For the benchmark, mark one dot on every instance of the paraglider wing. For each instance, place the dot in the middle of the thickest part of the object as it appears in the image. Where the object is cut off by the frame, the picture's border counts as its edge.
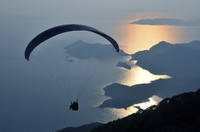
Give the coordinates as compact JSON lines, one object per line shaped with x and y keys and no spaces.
{"x":61,"y":29}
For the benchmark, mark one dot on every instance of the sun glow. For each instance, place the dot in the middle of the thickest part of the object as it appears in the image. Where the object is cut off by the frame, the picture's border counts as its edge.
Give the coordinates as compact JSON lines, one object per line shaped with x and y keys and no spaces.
{"x":135,"y":38}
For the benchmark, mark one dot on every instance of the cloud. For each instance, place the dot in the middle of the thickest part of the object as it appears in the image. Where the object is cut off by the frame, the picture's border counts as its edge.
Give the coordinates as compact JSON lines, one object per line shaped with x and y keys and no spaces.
{"x":180,"y":61}
{"x":83,"y":50}
{"x":167,"y":21}
{"x":124,"y":65}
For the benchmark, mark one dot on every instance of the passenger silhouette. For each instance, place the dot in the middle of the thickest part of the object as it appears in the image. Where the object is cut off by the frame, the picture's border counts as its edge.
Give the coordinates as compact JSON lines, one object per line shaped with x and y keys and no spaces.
{"x":74,"y":105}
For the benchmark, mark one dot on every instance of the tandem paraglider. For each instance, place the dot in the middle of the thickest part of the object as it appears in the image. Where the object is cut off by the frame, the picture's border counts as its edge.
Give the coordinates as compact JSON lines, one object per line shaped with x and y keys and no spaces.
{"x":74,"y":105}
{"x":49,"y":33}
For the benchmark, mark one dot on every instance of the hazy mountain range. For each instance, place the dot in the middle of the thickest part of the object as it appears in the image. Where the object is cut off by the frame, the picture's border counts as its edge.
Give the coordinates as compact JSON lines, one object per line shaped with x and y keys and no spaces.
{"x":167,"y":21}
{"x":179,"y":61}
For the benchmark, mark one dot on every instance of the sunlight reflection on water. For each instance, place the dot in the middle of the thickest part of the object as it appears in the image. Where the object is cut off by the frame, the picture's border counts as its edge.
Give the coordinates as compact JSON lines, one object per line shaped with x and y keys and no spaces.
{"x":134,"y":38}
{"x":138,"y":75}
{"x":135,"y":76}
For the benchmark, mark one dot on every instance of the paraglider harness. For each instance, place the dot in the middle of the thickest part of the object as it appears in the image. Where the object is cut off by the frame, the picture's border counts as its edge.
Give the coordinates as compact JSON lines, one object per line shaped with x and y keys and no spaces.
{"x":74,"y":105}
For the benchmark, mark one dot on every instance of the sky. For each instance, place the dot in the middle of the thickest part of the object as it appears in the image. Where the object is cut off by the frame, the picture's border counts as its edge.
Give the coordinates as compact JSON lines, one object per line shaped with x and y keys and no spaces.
{"x":94,"y":10}
{"x":34,"y":93}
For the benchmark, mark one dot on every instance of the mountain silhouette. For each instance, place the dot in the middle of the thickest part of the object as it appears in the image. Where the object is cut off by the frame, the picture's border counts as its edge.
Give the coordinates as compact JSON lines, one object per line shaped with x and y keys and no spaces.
{"x":83,"y":50}
{"x":83,"y":128}
{"x":177,"y":114}
{"x":124,"y":65}
{"x":179,"y":61}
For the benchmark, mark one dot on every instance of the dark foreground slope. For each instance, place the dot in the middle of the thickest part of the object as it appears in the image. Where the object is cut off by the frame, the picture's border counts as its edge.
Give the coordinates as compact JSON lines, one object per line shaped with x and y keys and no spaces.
{"x":84,"y":128}
{"x":177,"y":114}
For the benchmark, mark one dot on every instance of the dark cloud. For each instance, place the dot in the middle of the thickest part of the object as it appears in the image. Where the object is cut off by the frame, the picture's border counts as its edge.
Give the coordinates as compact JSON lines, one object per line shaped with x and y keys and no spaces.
{"x":83,"y":50}
{"x":180,"y":61}
{"x":167,"y":21}
{"x":124,"y":65}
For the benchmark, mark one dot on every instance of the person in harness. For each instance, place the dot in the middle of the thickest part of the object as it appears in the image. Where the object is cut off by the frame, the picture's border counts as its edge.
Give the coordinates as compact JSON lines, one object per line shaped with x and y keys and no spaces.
{"x":74,"y":105}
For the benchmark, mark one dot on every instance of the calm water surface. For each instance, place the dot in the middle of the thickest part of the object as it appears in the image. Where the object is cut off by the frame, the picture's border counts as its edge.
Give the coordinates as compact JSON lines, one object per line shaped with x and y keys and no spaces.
{"x":86,"y":78}
{"x":133,"y":38}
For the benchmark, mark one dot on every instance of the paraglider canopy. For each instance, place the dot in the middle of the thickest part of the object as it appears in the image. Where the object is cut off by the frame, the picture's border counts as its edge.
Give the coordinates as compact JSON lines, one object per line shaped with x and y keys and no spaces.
{"x":49,"y":33}
{"x":61,"y":29}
